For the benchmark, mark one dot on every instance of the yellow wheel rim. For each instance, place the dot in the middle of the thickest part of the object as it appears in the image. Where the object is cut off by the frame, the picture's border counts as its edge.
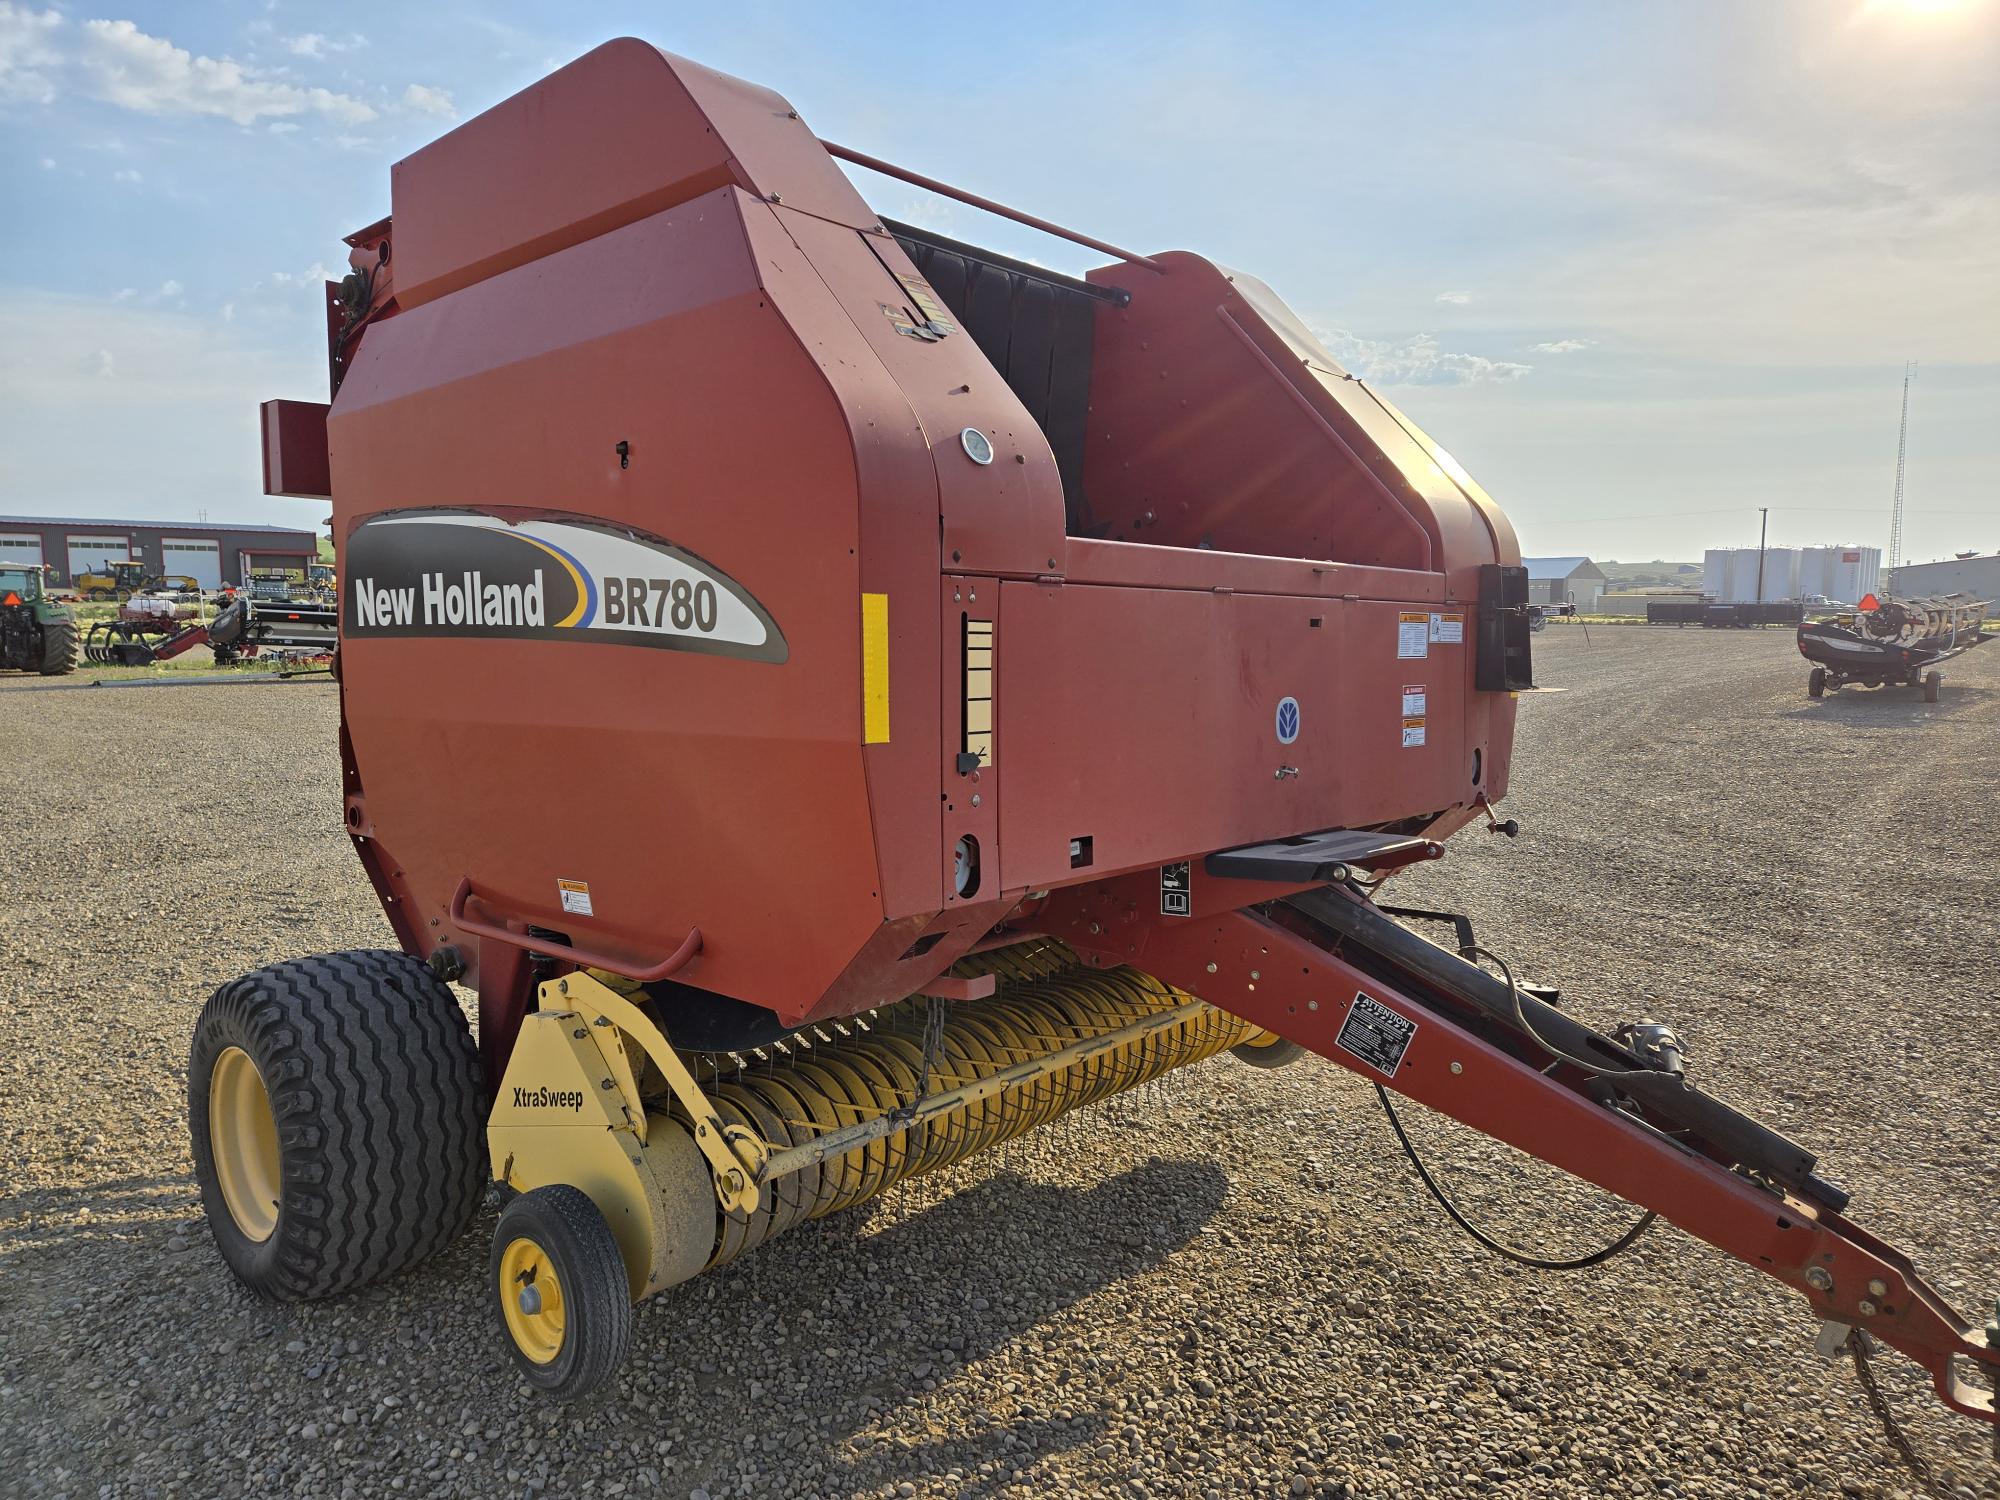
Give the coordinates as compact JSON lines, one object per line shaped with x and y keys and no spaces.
{"x":531,"y":1300}
{"x":243,"y":1139}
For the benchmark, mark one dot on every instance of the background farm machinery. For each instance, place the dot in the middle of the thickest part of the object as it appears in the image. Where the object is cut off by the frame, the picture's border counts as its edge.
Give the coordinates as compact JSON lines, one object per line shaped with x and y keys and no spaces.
{"x":145,"y":632}
{"x":121,"y":579}
{"x":37,"y":632}
{"x":1892,"y":642}
{"x":1715,"y":614}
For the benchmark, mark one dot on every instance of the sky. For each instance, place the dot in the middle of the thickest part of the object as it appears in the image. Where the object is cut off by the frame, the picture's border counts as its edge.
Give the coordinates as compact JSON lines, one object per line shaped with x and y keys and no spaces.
{"x":1643,"y":268}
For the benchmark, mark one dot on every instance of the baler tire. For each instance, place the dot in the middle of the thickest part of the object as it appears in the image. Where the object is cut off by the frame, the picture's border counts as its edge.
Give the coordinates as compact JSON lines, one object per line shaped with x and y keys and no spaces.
{"x":1278,"y":1054}
{"x":58,"y":648}
{"x":1816,"y":683}
{"x":377,"y":1102}
{"x":592,"y":1330}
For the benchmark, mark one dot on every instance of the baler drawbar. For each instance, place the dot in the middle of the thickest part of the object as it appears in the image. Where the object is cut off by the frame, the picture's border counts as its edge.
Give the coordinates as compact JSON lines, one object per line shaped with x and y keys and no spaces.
{"x":843,"y":699}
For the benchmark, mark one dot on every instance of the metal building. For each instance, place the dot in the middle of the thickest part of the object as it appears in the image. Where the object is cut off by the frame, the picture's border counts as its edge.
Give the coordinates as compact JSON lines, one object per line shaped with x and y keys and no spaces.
{"x":1978,"y":576}
{"x":211,"y":552}
{"x":1565,"y":580}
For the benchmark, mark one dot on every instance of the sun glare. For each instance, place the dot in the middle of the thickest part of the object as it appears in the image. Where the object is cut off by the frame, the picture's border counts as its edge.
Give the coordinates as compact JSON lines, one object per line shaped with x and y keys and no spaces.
{"x":1916,"y":10}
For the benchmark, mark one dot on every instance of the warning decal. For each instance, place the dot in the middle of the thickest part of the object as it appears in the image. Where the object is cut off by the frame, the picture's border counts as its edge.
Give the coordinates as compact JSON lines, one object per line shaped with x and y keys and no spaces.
{"x":1174,"y":890}
{"x":1376,"y":1034}
{"x":1448,"y":629}
{"x":1413,"y":733}
{"x":1413,"y":700}
{"x":575,"y":896}
{"x":1413,"y":637}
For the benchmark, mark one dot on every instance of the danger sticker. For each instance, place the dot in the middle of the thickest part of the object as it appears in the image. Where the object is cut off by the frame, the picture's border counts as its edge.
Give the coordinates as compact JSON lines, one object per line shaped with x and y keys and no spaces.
{"x":575,"y":896}
{"x":1376,"y":1034}
{"x":1413,"y":733}
{"x":1448,"y":629}
{"x":1413,"y":637}
{"x":1413,"y":700}
{"x":1175,"y":890}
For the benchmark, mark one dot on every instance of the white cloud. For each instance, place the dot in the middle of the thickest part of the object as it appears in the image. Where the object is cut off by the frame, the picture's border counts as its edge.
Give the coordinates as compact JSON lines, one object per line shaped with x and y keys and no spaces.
{"x":1453,"y":299}
{"x":426,"y":100}
{"x":124,"y":294}
{"x":1561,"y":346}
{"x":1416,"y":361}
{"x":313,"y":44}
{"x":48,"y":164}
{"x":282,"y":127}
{"x":126,"y":174}
{"x":125,"y":66}
{"x":229,"y":312}
{"x":26,"y":50}
{"x":312,"y":275}
{"x":178,"y":392}
{"x":927,"y":211}
{"x":170,"y":289}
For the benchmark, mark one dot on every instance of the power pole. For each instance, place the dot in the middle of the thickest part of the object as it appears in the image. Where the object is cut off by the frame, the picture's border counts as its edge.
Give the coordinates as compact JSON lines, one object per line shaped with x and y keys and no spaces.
{"x":1902,"y":448}
{"x":1763,"y":530}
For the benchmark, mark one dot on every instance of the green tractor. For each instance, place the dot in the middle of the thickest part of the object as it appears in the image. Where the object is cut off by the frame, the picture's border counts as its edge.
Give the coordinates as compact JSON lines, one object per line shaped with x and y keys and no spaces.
{"x":36,"y":633}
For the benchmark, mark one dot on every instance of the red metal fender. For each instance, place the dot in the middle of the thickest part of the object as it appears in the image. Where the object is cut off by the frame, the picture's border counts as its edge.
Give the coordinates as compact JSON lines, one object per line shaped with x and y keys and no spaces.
{"x":1247,"y":964}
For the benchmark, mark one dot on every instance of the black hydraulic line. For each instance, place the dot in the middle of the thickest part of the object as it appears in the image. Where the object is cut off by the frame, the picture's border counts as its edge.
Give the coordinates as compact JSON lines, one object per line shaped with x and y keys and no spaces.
{"x":1665,"y":1096}
{"x":1624,"y":1241}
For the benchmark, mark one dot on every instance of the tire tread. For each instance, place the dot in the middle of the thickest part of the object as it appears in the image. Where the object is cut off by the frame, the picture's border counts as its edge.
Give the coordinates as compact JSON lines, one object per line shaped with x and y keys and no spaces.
{"x":379,"y":1100}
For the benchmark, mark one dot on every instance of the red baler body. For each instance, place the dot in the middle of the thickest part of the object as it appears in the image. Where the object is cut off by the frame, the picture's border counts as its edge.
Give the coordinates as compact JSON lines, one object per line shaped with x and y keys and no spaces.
{"x":642,"y":295}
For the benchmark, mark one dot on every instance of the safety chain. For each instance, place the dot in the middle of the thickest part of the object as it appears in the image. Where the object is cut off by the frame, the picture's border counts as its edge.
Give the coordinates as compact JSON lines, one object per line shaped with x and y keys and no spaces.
{"x":1898,"y":1439}
{"x":933,"y":1044}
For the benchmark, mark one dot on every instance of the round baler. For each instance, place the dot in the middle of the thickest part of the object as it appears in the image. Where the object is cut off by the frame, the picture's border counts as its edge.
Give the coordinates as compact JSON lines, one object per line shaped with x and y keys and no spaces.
{"x":842,"y":699}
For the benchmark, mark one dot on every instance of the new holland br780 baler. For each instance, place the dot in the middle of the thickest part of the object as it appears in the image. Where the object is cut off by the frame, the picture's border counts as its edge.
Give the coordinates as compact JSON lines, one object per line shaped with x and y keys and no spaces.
{"x":970,"y":691}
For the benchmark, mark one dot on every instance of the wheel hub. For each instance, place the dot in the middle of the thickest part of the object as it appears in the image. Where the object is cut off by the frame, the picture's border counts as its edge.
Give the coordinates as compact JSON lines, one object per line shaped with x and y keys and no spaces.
{"x":243,"y":1137}
{"x":531,"y":1300}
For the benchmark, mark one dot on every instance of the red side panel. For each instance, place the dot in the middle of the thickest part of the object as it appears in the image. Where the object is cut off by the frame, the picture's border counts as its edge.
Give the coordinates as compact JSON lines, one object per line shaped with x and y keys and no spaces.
{"x":684,"y":789}
{"x":295,"y":459}
{"x":619,"y":134}
{"x":1155,"y":722}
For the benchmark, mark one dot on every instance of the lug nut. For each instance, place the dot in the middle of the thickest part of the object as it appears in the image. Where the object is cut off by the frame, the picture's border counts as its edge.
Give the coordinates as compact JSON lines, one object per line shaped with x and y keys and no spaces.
{"x":1819,"y":1278}
{"x":1878,"y":1288}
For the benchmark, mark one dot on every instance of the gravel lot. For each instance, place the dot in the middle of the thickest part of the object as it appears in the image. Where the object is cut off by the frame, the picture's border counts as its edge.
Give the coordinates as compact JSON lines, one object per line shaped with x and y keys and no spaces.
{"x":1232,"y":1285}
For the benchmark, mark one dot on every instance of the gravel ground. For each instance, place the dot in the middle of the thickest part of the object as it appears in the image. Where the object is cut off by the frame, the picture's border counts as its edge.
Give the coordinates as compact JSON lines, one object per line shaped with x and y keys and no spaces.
{"x":1230,"y":1285}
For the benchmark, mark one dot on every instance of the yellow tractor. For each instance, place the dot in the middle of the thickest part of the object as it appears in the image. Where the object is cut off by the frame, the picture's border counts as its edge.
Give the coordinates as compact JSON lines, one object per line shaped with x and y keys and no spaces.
{"x":121,"y":580}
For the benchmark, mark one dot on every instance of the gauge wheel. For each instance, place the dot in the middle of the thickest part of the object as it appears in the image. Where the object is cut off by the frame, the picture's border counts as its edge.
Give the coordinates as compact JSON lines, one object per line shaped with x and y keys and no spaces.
{"x":561,"y":1293}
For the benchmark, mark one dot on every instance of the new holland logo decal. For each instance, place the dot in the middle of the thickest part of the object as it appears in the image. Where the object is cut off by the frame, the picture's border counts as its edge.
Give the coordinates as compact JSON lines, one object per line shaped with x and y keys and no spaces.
{"x":465,"y":573}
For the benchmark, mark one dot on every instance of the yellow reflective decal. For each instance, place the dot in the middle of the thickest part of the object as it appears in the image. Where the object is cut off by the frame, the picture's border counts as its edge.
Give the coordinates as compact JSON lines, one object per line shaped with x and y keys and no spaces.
{"x":874,"y":669}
